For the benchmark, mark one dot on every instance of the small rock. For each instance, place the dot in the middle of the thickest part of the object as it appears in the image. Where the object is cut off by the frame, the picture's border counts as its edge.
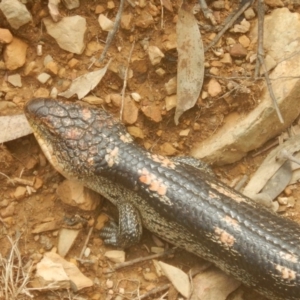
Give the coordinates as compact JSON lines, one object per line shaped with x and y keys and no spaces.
{"x":171,"y":86}
{"x":46,"y":226}
{"x":52,"y":66}
{"x":73,"y":62}
{"x":241,"y":28}
{"x":291,"y":202}
{"x":66,"y":239}
{"x":184,"y":132}
{"x":15,"y":12}
{"x":109,"y":284}
{"x":75,"y":194}
{"x":274,"y":3}
{"x":99,"y":9}
{"x":87,"y":252}
{"x":38,"y":183}
{"x":15,"y":80}
{"x":244,"y":41}
{"x":214,"y":88}
{"x":20,"y":192}
{"x":130,"y":111}
{"x":54,"y":92}
{"x":167,"y":149}
{"x":171,"y":102}
{"x":15,"y":54}
{"x":116,"y":256}
{"x":157,"y":250}
{"x":150,"y":276}
{"x":230,"y":41}
{"x":238,"y":51}
{"x":101,"y":221}
{"x":30,"y":68}
{"x":105,"y":23}
{"x":218,"y":5}
{"x":8,"y":211}
{"x":71,"y":4}
{"x":43,"y":77}
{"x":160,"y":72}
{"x":214,"y":71}
{"x":92,"y":47}
{"x":127,"y":21}
{"x":5,"y":36}
{"x":249,"y":14}
{"x":94,"y":100}
{"x":152,"y":111}
{"x":136,"y":97}
{"x":144,"y":20}
{"x":282,"y":200}
{"x":41,"y":93}
{"x":110,"y":5}
{"x":170,"y":41}
{"x":135,"y":131}
{"x":155,"y":55}
{"x":69,"y":33}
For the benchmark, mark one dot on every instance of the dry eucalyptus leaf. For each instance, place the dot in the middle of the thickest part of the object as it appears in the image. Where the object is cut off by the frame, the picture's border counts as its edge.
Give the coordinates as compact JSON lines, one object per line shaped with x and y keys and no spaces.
{"x":190,"y":71}
{"x":13,"y":127}
{"x":179,"y":279}
{"x":270,"y":166}
{"x":213,"y":284}
{"x":82,"y":85}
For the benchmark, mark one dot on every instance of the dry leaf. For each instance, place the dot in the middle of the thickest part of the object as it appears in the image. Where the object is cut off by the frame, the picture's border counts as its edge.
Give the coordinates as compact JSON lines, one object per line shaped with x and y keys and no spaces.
{"x":179,"y":279}
{"x":84,"y":84}
{"x":190,"y":71}
{"x":13,"y":127}
{"x":213,"y":284}
{"x":270,"y":166}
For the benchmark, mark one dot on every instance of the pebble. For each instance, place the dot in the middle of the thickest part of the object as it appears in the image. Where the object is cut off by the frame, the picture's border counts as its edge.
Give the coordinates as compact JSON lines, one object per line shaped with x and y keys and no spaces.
{"x":136,"y":132}
{"x":150,"y":276}
{"x":152,"y":111}
{"x":214,"y":71}
{"x":243,"y":27}
{"x":144,"y":20}
{"x":52,"y":66}
{"x":43,"y":77}
{"x":155,"y":55}
{"x":14,"y":54}
{"x":127,"y":21}
{"x":71,"y":4}
{"x":130,"y":111}
{"x":167,"y":149}
{"x":30,"y":68}
{"x":73,"y":62}
{"x":274,"y":3}
{"x":109,"y":284}
{"x":249,"y":14}
{"x":184,"y":132}
{"x":8,"y":211}
{"x":69,"y":33}
{"x":238,"y":51}
{"x":15,"y":12}
{"x":20,"y":192}
{"x":15,"y":80}
{"x":136,"y":97}
{"x":171,"y":102}
{"x":171,"y":86}
{"x":38,"y":183}
{"x":244,"y":41}
{"x":218,"y":5}
{"x":160,"y":72}
{"x":54,"y":93}
{"x":214,"y":88}
{"x":226,"y":59}
{"x":87,"y":252}
{"x":110,"y":5}
{"x":99,"y":9}
{"x":41,"y":93}
{"x":105,"y":23}
{"x":5,"y":36}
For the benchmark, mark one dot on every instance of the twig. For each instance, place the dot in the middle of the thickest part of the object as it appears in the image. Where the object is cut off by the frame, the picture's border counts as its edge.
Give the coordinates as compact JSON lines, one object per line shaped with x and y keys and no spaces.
{"x":140,"y":259}
{"x":125,"y":81}
{"x":86,"y":242}
{"x":241,"y":183}
{"x":207,"y":12}
{"x":154,"y":291}
{"x":227,"y":25}
{"x":112,"y":32}
{"x":284,"y":154}
{"x":260,"y":57}
{"x":162,"y":26}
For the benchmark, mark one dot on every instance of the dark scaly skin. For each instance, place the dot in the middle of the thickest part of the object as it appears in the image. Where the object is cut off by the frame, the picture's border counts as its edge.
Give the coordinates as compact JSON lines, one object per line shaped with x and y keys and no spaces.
{"x":180,"y":203}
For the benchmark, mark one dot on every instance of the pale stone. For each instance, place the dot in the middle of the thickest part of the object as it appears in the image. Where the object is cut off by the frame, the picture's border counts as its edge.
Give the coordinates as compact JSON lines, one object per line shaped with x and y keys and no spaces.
{"x":5,"y":36}
{"x":155,"y":55}
{"x":15,"y":80}
{"x":136,"y":97}
{"x":43,"y":77}
{"x":71,"y":4}
{"x":126,"y":21}
{"x":116,"y":256}
{"x":214,"y":88}
{"x":69,"y":33}
{"x":270,"y":64}
{"x":249,"y":14}
{"x":243,"y":133}
{"x":135,"y":131}
{"x":171,"y":86}
{"x":171,"y":102}
{"x":105,"y":23}
{"x":244,"y":41}
{"x":15,"y":12}
{"x":226,"y":59}
{"x":15,"y":54}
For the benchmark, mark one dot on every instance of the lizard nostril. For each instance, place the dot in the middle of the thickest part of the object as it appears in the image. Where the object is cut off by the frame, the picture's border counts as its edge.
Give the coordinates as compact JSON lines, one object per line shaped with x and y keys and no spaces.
{"x":36,"y":108}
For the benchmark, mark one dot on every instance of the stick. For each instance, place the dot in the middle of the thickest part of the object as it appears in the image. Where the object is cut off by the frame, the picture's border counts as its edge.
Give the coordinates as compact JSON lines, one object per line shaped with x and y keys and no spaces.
{"x":228,"y":24}
{"x":140,"y":259}
{"x":154,"y":291}
{"x":113,"y":32}
{"x":207,"y":12}
{"x":125,"y":81}
{"x":86,"y":242}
